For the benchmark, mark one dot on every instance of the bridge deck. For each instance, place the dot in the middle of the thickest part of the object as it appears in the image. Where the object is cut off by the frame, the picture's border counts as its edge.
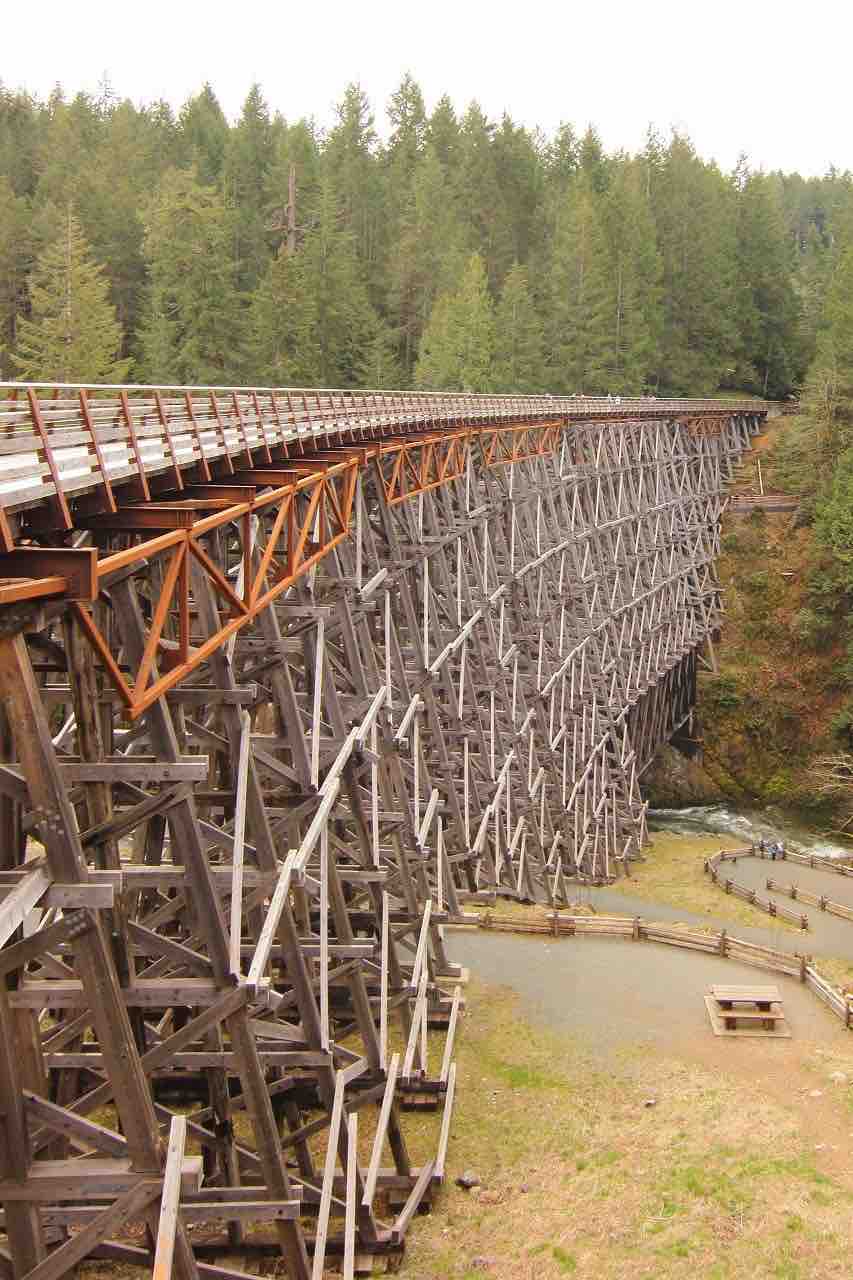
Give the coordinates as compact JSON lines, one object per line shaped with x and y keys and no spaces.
{"x":71,"y":439}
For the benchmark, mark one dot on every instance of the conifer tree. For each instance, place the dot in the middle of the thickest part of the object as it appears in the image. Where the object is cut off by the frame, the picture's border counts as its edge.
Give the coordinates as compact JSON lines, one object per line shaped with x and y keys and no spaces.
{"x":346,"y":320}
{"x":72,"y":334}
{"x":769,"y":346}
{"x":625,"y":349}
{"x":407,"y":117}
{"x":428,"y":256}
{"x":248,"y":159}
{"x":15,"y":244}
{"x":442,"y":133}
{"x":191,"y":329}
{"x":811,"y":280}
{"x":380,"y":366}
{"x":828,"y":393}
{"x":350,"y":164}
{"x":519,"y":363}
{"x":479,"y":194}
{"x":695,"y":216}
{"x":458,"y":344}
{"x":283,"y":347}
{"x":580,"y":308}
{"x":205,"y":133}
{"x":120,"y":176}
{"x":294,"y":145}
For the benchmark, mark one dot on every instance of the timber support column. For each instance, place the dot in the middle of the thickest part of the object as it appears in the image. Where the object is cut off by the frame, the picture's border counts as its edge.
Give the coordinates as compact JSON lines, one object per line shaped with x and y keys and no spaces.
{"x":93,"y":957}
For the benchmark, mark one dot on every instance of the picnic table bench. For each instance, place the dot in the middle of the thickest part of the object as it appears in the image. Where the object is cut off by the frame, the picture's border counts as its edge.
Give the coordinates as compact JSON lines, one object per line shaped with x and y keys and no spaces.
{"x":745,"y":1009}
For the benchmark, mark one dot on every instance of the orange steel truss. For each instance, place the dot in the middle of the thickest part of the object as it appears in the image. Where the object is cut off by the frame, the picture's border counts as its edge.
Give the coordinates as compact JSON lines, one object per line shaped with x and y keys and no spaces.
{"x":303,"y":522}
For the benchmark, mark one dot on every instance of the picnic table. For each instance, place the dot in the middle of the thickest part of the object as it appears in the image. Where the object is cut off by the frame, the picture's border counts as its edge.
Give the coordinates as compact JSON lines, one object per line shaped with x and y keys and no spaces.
{"x":745,"y":1009}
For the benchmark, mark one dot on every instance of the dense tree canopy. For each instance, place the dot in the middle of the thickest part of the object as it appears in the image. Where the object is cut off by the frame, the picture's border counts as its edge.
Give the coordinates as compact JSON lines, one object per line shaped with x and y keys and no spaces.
{"x":438,"y":246}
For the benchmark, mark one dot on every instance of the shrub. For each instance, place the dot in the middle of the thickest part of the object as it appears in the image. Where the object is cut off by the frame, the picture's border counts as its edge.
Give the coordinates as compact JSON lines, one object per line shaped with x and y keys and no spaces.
{"x":811,"y":626}
{"x":723,"y":693}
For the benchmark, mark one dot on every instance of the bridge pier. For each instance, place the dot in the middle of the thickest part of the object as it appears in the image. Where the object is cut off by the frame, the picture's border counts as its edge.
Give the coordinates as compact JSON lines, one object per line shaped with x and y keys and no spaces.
{"x":355,"y":661}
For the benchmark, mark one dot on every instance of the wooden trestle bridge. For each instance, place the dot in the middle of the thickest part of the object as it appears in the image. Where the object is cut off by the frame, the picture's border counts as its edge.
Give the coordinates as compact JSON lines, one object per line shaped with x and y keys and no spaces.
{"x":285,"y":678}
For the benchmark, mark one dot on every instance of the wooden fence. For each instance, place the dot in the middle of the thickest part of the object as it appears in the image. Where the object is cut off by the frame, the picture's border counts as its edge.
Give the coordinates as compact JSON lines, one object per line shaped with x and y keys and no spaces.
{"x":790,"y":964}
{"x":750,"y":895}
{"x":808,"y":860}
{"x":812,"y":899}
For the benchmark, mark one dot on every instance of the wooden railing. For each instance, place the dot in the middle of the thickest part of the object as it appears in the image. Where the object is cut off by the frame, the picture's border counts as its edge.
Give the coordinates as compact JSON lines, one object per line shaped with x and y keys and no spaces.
{"x":57,"y":441}
{"x":811,"y":899}
{"x":791,"y":964}
{"x":748,"y":894}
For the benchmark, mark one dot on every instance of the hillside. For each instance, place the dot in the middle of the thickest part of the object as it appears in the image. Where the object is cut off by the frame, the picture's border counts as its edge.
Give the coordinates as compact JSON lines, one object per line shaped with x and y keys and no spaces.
{"x":781,"y":692}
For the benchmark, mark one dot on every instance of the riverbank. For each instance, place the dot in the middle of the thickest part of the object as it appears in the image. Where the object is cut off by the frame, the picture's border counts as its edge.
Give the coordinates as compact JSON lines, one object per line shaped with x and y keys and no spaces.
{"x":782,"y":685}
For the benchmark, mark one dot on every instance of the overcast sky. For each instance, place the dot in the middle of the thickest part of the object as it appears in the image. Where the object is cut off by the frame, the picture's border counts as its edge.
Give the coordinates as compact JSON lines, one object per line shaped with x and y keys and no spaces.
{"x":772,"y":79}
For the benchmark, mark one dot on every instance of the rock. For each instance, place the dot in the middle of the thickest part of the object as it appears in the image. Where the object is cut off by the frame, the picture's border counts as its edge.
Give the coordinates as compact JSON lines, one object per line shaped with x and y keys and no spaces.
{"x":468,"y":1179}
{"x":524,"y":1188}
{"x":816,"y":1093}
{"x":838,"y":1077}
{"x":482,"y":1263}
{"x":650,"y":1102}
{"x":491,"y":1197}
{"x":675,"y":782}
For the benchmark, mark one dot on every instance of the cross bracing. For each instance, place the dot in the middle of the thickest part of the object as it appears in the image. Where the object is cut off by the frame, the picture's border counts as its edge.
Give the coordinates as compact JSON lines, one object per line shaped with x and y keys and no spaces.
{"x":287,"y":677}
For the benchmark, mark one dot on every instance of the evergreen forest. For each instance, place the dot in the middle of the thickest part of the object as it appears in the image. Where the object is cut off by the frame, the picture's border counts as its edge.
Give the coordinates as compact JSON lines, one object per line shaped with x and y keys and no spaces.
{"x":438,"y":250}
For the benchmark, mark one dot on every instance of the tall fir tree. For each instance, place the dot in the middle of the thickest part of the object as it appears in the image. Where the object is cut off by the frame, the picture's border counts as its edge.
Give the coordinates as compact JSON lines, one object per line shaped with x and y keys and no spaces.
{"x":828,"y":393}
{"x":458,"y":345}
{"x":283,"y":347}
{"x":479,"y":194}
{"x":580,"y":302}
{"x":427,"y":257}
{"x":15,"y":251}
{"x":625,"y":349}
{"x":770,"y":344}
{"x":695,"y":216}
{"x":346,"y":320}
{"x":295,"y":147}
{"x":72,"y":333}
{"x":246,"y":168}
{"x":350,"y":163}
{"x":192,"y":326}
{"x":442,"y":133}
{"x":519,"y":361}
{"x":204,"y":131}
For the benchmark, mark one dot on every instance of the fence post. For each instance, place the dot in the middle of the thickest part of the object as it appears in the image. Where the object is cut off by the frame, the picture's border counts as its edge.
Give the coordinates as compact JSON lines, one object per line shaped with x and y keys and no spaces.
{"x":636,"y":928}
{"x":722,"y":944}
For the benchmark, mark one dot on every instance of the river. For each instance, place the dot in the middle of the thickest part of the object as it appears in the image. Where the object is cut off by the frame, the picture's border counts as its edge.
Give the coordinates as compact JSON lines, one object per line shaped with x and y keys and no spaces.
{"x":747,"y":827}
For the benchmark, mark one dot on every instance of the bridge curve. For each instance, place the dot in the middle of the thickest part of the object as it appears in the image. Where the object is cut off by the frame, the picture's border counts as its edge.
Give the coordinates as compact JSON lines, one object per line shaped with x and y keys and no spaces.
{"x":287,"y":677}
